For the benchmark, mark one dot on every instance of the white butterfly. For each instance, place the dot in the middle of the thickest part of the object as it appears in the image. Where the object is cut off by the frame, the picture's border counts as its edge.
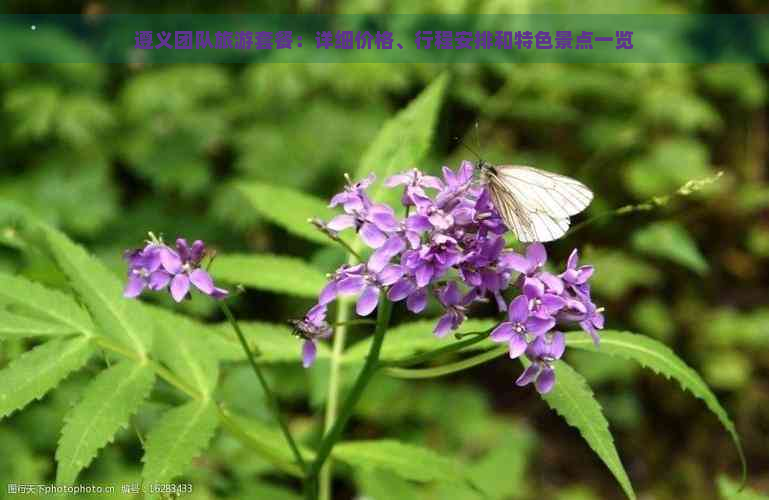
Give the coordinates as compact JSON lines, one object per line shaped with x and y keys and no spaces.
{"x":535,"y":205}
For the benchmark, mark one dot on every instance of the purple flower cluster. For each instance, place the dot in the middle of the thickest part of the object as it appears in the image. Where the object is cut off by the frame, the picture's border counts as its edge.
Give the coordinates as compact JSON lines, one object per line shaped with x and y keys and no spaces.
{"x":157,"y":266}
{"x":451,"y":244}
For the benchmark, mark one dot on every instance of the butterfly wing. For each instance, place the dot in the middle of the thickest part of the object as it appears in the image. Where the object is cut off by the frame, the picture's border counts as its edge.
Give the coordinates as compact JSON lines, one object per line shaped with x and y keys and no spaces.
{"x":535,"y":204}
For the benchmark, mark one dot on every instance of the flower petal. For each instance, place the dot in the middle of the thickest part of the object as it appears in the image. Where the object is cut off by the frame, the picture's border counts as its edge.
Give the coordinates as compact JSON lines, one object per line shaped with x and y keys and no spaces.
{"x":444,"y":325}
{"x":390,"y":274}
{"x":538,"y":326}
{"x":328,"y":293}
{"x":533,"y":288}
{"x":518,"y":345}
{"x":180,"y":285}
{"x":372,"y":235}
{"x":350,"y":285}
{"x":367,"y":301}
{"x":309,"y":351}
{"x":401,"y":289}
{"x":502,"y":333}
{"x":170,"y":260}
{"x":417,"y":301}
{"x":536,"y":254}
{"x":159,"y":280}
{"x":341,"y":222}
{"x":134,"y":286}
{"x":529,"y":375}
{"x":552,"y":282}
{"x":545,"y":381}
{"x":202,"y":280}
{"x":518,"y":310}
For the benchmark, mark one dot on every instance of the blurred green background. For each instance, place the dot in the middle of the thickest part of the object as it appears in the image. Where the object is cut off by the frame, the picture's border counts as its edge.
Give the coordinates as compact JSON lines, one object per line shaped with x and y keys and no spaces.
{"x":108,"y":152}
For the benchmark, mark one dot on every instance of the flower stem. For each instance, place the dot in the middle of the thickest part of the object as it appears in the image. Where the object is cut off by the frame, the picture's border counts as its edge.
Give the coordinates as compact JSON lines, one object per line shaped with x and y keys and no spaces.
{"x":272,"y":402}
{"x":364,"y":377}
{"x":427,"y":356}
{"x":439,"y":371}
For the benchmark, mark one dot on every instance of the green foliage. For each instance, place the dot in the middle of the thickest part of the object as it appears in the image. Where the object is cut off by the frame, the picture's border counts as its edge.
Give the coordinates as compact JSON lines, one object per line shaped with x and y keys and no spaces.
{"x":14,"y":325}
{"x":574,"y":401}
{"x":272,"y":273}
{"x":404,"y":139}
{"x":669,"y":240}
{"x":106,"y":407}
{"x":274,"y":343}
{"x":659,"y":358}
{"x":27,"y":297}
{"x":101,"y":292}
{"x":178,"y":437}
{"x":407,"y":461}
{"x":288,"y":208}
{"x":34,"y":373}
{"x":618,"y":273}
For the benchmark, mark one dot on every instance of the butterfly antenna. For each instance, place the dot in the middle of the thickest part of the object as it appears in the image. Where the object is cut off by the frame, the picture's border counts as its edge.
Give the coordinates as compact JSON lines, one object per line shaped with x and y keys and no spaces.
{"x":478,"y":136}
{"x":462,"y":142}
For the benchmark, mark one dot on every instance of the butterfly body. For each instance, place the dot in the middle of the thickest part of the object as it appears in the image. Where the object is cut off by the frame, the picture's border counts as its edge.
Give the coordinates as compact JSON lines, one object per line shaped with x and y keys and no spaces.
{"x":534,"y":204}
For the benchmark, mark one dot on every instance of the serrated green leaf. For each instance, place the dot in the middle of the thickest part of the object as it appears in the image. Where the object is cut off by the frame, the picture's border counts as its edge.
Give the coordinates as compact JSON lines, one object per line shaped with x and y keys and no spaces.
{"x":414,"y":337}
{"x":405,"y":460}
{"x":288,"y":208}
{"x":102,"y":293}
{"x":32,"y":298}
{"x":188,"y":353}
{"x":16,"y":326}
{"x":659,"y":358}
{"x":573,"y":399}
{"x":404,"y":139}
{"x":35,"y":372}
{"x":107,"y":405}
{"x":669,"y":240}
{"x":274,"y":342}
{"x":176,"y":438}
{"x":274,"y":273}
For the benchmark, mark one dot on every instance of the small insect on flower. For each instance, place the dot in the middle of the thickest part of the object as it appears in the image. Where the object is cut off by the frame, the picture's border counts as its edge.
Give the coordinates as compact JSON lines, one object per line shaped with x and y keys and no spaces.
{"x":313,"y":326}
{"x":535,"y":204}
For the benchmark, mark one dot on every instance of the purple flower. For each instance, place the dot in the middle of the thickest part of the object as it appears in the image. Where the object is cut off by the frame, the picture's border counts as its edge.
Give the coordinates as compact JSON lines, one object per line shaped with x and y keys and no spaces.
{"x":451,"y":299}
{"x":520,"y":327}
{"x":543,"y":352}
{"x":452,"y":240}
{"x":576,"y":275}
{"x":312,"y":327}
{"x":156,"y":266}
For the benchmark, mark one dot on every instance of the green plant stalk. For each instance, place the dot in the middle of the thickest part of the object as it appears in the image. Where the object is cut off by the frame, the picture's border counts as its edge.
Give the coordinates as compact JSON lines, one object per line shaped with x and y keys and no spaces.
{"x":364,"y":377}
{"x":332,"y":397}
{"x":439,"y":371}
{"x":272,"y":402}
{"x":427,"y":356}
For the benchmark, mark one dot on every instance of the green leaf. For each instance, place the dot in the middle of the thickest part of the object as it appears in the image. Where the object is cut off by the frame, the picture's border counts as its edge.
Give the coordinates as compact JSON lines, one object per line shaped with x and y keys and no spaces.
{"x":107,"y":405}
{"x":573,"y":399}
{"x":413,"y":337}
{"x":102,"y":293}
{"x":669,"y":240}
{"x":188,"y":354}
{"x":405,"y":460}
{"x":35,"y":372}
{"x":659,"y":358}
{"x":273,"y":273}
{"x":731,"y":490}
{"x":404,"y":140}
{"x":15,"y":326}
{"x":288,"y":208}
{"x":178,"y":437}
{"x":32,"y":298}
